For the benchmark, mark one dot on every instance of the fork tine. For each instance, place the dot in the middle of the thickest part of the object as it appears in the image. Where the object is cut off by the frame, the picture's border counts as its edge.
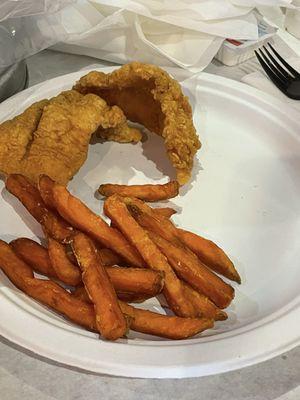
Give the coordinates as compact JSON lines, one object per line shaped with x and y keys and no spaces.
{"x":276,"y":64}
{"x":274,"y":78}
{"x":273,"y":68}
{"x":287,"y":66}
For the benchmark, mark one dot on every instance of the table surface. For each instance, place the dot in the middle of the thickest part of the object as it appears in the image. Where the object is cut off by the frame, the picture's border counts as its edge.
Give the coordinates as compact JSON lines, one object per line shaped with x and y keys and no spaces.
{"x":31,"y":377}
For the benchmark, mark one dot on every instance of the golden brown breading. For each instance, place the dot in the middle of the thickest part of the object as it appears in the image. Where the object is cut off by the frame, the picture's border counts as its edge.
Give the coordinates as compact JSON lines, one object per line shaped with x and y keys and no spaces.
{"x":122,"y":134}
{"x":16,"y":134}
{"x":52,"y":136}
{"x":149,"y":96}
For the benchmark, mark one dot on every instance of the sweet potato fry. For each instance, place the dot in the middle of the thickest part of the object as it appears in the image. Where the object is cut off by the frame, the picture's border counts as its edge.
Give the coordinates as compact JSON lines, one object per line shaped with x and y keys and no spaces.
{"x":81,"y":294}
{"x":165,"y":326}
{"x":149,"y":219}
{"x":81,"y":217}
{"x":210,"y":254}
{"x":109,"y":257}
{"x":133,"y":297}
{"x":47,"y":292}
{"x":30,"y":197}
{"x":45,"y":187}
{"x":143,"y":192}
{"x":206,"y":308}
{"x":110,"y":320}
{"x":117,"y":211}
{"x":166,"y":212}
{"x":136,"y":280}
{"x":35,"y":255}
{"x":207,"y":251}
{"x":54,"y":226}
{"x":66,"y":271}
{"x":140,"y":283}
{"x":190,"y":269}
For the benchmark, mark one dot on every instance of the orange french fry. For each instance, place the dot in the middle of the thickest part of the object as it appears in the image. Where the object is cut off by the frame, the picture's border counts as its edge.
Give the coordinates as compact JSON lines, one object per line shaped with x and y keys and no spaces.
{"x":170,"y":327}
{"x":66,"y":271}
{"x":117,"y":211}
{"x":81,"y":294}
{"x":210,"y":254}
{"x":191,"y":270}
{"x":140,"y":282}
{"x":136,"y":280}
{"x":55,"y":227}
{"x":81,"y":217}
{"x":207,"y":251}
{"x":206,"y":308}
{"x":109,"y":257}
{"x":133,"y":297}
{"x":110,"y":320}
{"x":149,"y":219}
{"x":30,"y":197}
{"x":143,"y":192}
{"x":45,"y":187}
{"x":45,"y":291}
{"x":166,"y":212}
{"x":35,"y":255}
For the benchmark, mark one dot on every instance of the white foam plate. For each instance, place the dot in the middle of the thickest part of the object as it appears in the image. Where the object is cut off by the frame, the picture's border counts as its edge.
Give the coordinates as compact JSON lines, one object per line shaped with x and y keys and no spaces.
{"x":244,"y":195}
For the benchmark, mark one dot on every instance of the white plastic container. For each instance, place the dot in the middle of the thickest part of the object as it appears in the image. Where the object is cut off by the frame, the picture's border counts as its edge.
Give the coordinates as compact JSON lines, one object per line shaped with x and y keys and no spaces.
{"x":292,"y":20}
{"x":234,"y":52}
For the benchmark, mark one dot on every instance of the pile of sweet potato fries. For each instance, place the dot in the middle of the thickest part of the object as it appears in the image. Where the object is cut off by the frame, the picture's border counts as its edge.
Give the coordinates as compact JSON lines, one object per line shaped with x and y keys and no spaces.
{"x":95,"y":269}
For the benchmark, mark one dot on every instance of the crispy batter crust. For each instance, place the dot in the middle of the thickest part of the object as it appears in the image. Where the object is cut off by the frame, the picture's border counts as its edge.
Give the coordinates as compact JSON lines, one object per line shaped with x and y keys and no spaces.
{"x":52,"y":136}
{"x":149,"y":96}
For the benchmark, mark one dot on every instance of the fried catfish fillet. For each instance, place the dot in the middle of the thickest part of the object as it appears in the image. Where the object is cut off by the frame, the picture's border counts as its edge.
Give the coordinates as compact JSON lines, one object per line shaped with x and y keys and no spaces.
{"x":149,"y":96}
{"x":52,"y":136}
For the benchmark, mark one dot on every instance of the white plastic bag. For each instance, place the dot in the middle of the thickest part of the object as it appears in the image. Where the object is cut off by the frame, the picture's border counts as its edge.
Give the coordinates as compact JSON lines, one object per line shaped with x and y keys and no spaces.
{"x":181,"y":33}
{"x":28,"y":26}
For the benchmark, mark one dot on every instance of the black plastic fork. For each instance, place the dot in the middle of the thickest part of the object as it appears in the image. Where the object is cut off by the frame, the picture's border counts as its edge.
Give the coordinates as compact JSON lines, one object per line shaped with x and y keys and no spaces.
{"x":285,"y":77}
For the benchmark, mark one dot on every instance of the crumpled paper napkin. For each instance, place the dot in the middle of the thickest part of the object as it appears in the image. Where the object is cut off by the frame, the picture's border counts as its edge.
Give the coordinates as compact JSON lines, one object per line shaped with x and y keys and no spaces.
{"x":183,"y":33}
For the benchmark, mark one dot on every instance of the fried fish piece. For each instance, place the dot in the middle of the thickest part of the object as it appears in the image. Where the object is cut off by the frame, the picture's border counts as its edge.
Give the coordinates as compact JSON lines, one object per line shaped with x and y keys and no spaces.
{"x":52,"y":136}
{"x":149,"y":96}
{"x":15,"y":136}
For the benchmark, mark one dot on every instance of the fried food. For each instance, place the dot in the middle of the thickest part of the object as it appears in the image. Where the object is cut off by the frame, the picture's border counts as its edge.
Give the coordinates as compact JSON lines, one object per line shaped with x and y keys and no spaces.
{"x":45,"y":187}
{"x":191,"y":270}
{"x":140,"y":282}
{"x":47,"y":292}
{"x":27,"y":193}
{"x":52,"y":136}
{"x":143,"y":192}
{"x":121,"y":134}
{"x":165,"y":212}
{"x":136,"y":280}
{"x":31,"y":199}
{"x":210,"y":254}
{"x":110,"y":320}
{"x":35,"y":255}
{"x":65,"y":270}
{"x":149,"y":96}
{"x":82,"y":313}
{"x":116,"y":210}
{"x":81,"y":217}
{"x":129,"y":297}
{"x":203,"y":305}
{"x":206,"y":250}
{"x":15,"y":134}
{"x":109,"y":257}
{"x":170,"y":327}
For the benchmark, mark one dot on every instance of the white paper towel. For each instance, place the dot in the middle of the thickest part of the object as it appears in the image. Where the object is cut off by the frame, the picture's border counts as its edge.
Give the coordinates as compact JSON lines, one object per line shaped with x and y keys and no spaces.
{"x":183,"y":33}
